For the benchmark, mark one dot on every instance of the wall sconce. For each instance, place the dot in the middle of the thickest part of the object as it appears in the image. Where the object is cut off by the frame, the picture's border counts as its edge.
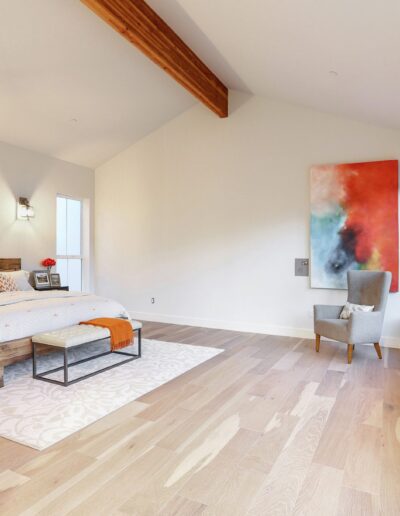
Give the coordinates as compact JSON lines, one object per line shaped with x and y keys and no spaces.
{"x":24,"y":209}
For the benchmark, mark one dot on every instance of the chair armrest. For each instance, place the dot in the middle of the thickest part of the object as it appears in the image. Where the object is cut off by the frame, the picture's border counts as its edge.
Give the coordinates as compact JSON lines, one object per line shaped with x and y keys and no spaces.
{"x":365,"y":327}
{"x":327,"y":312}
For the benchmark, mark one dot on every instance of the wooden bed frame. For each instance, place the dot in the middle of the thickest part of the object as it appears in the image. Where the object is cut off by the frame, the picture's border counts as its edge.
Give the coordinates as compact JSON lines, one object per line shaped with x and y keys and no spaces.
{"x":13,"y":350}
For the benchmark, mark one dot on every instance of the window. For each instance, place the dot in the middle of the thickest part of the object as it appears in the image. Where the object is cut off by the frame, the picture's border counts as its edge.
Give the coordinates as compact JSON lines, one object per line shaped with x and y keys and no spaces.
{"x":69,"y":242}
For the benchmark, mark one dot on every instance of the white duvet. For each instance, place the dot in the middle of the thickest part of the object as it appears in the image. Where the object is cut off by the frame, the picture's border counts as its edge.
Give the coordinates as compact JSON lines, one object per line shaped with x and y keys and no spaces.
{"x":22,"y":314}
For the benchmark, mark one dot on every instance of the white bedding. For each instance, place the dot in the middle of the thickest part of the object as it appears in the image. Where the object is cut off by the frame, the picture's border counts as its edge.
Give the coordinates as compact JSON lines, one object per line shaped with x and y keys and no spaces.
{"x":22,"y":314}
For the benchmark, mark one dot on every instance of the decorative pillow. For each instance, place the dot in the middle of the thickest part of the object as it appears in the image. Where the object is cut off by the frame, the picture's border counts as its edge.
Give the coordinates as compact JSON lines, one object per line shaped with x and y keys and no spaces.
{"x":21,"y":279}
{"x":349,"y":308}
{"x":7,"y":283}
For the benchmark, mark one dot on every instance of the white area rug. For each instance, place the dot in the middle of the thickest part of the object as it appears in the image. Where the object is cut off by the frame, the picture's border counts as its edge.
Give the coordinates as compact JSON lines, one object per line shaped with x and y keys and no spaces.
{"x":39,"y":414}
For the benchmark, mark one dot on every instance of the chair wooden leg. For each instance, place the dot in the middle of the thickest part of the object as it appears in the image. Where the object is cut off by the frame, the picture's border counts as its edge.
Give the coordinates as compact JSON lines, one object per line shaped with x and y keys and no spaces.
{"x":317,"y":342}
{"x":349,"y":353}
{"x":378,"y":350}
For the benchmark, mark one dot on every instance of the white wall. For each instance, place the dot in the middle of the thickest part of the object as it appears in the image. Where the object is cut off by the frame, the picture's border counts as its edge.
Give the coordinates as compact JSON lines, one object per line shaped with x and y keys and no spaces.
{"x":207,"y":215}
{"x":40,"y":178}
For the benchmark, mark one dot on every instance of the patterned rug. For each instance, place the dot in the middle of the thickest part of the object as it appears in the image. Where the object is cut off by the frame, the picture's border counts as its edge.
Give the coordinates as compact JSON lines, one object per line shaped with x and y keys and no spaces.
{"x":39,"y":414}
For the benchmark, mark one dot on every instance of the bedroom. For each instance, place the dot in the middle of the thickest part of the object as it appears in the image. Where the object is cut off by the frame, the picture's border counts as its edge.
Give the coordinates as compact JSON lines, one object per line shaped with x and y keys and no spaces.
{"x":192,"y":224}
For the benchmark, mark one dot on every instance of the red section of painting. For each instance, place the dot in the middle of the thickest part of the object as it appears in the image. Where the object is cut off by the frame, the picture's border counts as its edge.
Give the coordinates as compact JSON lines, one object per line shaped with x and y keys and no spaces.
{"x":370,"y":202}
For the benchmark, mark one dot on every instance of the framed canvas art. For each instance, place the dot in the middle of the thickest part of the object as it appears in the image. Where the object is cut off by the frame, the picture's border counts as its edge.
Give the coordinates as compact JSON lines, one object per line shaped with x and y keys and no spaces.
{"x":354,"y":221}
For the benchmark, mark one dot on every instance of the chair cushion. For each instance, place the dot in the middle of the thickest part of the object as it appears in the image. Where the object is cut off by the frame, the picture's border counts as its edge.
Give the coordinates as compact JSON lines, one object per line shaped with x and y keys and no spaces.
{"x":336,"y":329}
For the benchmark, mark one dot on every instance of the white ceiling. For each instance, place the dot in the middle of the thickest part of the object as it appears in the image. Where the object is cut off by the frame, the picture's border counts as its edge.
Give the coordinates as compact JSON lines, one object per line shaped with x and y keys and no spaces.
{"x":59,"y":62}
{"x":285,"y":49}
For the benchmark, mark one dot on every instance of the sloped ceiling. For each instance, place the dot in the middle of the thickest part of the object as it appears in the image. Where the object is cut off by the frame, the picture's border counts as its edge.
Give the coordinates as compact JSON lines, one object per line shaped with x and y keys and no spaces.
{"x":72,"y":88}
{"x":338,"y":56}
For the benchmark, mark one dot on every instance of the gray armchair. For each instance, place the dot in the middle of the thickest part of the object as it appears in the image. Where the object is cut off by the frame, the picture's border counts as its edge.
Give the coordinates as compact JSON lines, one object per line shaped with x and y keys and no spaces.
{"x":365,"y":288}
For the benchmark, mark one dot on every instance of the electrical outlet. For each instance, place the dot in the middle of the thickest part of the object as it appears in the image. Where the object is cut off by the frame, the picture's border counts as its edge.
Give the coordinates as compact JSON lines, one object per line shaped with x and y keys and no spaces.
{"x":153,"y":300}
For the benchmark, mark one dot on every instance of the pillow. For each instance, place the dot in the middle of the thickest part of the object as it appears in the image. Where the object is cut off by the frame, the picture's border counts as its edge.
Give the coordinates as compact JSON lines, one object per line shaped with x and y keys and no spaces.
{"x":21,"y":279}
{"x":7,"y":283}
{"x":349,"y":308}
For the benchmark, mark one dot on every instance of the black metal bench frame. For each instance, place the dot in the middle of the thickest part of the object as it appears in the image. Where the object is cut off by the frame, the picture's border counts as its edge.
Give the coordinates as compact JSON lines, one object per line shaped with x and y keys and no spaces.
{"x":65,"y":367}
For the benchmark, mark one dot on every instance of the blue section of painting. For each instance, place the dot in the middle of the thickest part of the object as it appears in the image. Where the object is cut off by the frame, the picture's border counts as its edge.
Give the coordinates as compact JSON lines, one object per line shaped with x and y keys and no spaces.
{"x":329,"y":262}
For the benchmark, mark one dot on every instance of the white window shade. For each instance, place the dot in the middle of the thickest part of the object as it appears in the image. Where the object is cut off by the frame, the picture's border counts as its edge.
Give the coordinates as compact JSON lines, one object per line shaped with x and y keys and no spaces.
{"x":69,"y":242}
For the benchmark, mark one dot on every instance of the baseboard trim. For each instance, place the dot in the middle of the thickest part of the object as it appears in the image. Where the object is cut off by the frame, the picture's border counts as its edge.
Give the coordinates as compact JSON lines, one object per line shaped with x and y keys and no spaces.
{"x":287,"y":331}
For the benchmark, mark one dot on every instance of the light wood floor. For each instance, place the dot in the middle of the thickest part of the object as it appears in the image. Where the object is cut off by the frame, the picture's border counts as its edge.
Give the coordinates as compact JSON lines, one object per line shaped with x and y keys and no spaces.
{"x":268,"y":427}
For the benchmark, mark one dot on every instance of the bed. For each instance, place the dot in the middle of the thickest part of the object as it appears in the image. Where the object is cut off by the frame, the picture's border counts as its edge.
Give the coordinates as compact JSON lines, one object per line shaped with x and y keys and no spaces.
{"x":25,"y":313}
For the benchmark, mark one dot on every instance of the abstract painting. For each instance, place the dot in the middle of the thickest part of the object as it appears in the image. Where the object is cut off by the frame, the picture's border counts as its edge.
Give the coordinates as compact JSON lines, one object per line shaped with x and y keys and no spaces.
{"x":354,"y":221}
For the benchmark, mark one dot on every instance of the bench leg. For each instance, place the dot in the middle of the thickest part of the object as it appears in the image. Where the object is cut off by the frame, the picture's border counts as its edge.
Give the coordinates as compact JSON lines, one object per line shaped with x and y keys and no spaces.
{"x":34,"y":359}
{"x":65,"y":366}
{"x":140,"y":342}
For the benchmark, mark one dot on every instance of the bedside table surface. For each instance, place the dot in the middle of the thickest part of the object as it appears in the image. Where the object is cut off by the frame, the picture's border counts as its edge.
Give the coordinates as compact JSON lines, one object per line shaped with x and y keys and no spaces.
{"x":52,"y":288}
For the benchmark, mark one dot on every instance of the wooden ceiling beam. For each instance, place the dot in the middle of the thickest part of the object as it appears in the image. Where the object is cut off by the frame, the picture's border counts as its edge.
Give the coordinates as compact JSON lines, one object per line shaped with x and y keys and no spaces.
{"x":139,"y":24}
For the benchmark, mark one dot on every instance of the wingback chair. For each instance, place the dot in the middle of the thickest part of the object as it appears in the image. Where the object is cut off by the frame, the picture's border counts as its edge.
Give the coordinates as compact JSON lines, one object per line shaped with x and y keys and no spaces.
{"x":365,"y":288}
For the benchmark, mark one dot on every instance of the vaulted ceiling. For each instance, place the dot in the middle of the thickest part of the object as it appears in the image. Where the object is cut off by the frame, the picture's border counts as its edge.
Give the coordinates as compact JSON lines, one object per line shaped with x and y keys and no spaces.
{"x":338,"y":56}
{"x":73,"y":88}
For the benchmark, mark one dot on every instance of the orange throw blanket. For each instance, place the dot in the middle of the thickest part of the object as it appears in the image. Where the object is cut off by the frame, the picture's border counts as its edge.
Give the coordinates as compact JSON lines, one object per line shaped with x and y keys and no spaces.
{"x":120,"y":330}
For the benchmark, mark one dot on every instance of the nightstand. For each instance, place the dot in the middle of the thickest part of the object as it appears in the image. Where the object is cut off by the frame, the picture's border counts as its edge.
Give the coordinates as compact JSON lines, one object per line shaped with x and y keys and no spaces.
{"x":52,"y":288}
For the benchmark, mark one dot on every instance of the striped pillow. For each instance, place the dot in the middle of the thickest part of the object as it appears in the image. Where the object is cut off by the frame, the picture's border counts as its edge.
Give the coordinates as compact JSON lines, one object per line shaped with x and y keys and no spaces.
{"x":7,"y":283}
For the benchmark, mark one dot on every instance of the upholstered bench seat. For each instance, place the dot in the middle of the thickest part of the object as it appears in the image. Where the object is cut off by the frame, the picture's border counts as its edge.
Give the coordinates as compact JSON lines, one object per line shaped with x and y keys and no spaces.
{"x":76,"y":335}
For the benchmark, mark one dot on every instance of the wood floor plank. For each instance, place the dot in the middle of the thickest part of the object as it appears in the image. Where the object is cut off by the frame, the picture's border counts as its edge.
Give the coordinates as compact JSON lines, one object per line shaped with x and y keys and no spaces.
{"x":10,"y":479}
{"x":369,"y":409}
{"x":267,"y":448}
{"x":206,"y":459}
{"x":287,"y":361}
{"x":167,"y":403}
{"x":107,"y":497}
{"x":391,"y":358}
{"x":13,"y":455}
{"x":334,"y":445}
{"x":320,"y":491}
{"x":279,"y":492}
{"x":180,"y":505}
{"x":391,"y":394}
{"x":221,"y":405}
{"x":113,"y":459}
{"x":222,"y":451}
{"x":338,"y":363}
{"x":363,"y":466}
{"x":390,"y":472}
{"x":367,"y":370}
{"x":12,"y":503}
{"x":331,"y":383}
{"x":236,"y":494}
{"x":153,"y":492}
{"x":358,"y":503}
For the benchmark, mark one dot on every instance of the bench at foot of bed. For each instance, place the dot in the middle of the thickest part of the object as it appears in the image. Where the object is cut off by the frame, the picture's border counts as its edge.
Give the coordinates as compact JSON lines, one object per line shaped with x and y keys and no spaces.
{"x":72,"y":337}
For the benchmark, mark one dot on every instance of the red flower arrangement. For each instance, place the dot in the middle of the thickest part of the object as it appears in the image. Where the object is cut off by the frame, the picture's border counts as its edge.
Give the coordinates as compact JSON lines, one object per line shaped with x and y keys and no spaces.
{"x":48,"y":262}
